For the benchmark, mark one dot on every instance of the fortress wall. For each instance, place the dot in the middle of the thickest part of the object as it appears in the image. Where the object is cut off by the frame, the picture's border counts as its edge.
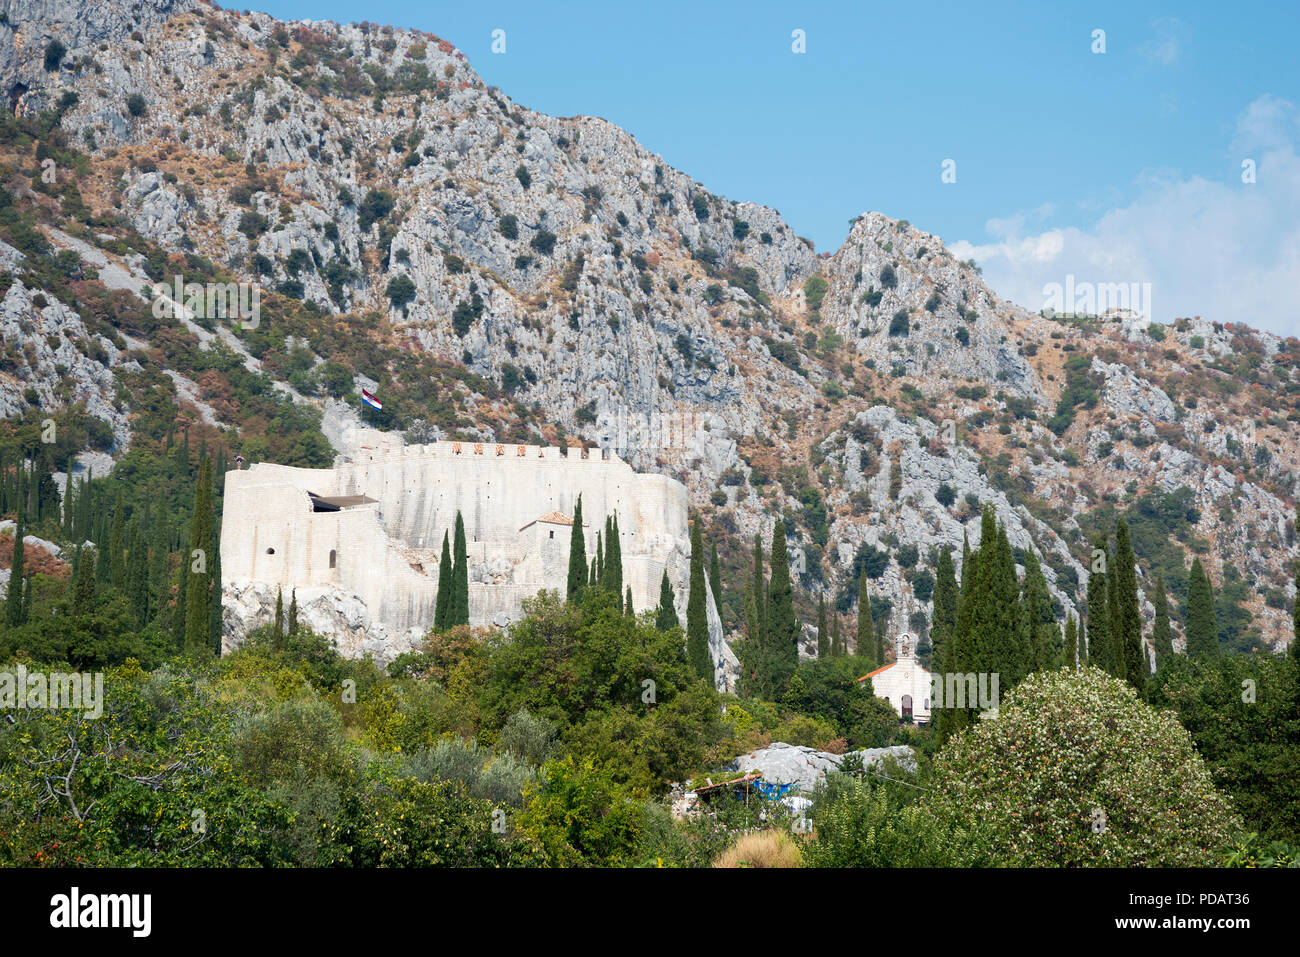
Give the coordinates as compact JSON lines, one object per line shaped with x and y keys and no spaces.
{"x":419,"y":490}
{"x":270,"y":534}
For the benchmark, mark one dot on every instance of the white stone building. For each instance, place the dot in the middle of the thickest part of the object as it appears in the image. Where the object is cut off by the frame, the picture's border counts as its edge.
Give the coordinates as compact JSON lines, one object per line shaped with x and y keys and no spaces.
{"x":904,"y":684}
{"x":371,"y":528}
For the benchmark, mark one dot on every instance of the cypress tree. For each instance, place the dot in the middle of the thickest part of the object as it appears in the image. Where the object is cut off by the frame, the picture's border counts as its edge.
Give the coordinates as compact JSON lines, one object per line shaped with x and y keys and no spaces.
{"x":1038,"y":619}
{"x":138,"y":576}
{"x":117,"y":544}
{"x":277,"y":629}
{"x":27,"y":599}
{"x":83,"y":507}
{"x":293,"y":612}
{"x":614,"y":557}
{"x":69,"y":502}
{"x":158,"y":569}
{"x":627,"y":604}
{"x":599,"y":560}
{"x":1101,"y":651}
{"x":697,"y":622}
{"x":103,"y":556}
{"x":215,"y":601}
{"x":444,"y":586}
{"x":1133,"y":661}
{"x":945,"y":610}
{"x":666,"y":617}
{"x":83,"y":584}
{"x":14,"y":595}
{"x":837,"y":641}
{"x":182,"y":590}
{"x":782,"y":626}
{"x":577,"y":553}
{"x":865,"y":647}
{"x":1162,"y":639}
{"x":1202,"y":629}
{"x":593,"y":575}
{"x":823,"y":636}
{"x":459,"y":609}
{"x":1071,"y":643}
{"x":198,"y":612}
{"x":759,"y":589}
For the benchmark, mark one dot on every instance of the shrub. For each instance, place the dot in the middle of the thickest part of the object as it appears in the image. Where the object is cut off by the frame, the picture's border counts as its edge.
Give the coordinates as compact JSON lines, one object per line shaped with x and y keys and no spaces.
{"x":761,"y":849}
{"x":888,"y":278}
{"x":524,"y":177}
{"x":898,"y":326}
{"x":509,"y":226}
{"x":814,"y":291}
{"x":54,"y":51}
{"x":543,"y":242}
{"x":1076,"y":770}
{"x":945,"y":495}
{"x":400,"y":291}
{"x":877,"y":823}
{"x":135,"y":104}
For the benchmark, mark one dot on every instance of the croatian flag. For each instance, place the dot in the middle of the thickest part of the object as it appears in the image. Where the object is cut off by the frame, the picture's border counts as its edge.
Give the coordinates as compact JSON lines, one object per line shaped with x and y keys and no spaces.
{"x":370,"y":400}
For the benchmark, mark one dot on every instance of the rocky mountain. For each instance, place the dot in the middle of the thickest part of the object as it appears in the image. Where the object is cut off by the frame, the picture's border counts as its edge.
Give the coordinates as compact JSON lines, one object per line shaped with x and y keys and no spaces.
{"x":494,"y":272}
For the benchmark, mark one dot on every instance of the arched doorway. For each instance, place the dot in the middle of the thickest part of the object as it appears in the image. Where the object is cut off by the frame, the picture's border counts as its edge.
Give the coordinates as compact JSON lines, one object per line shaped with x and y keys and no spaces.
{"x":906,"y":711}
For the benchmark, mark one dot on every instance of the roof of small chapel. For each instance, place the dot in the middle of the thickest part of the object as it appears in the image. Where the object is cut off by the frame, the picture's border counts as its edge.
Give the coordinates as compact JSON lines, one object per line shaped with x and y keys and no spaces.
{"x":551,"y":518}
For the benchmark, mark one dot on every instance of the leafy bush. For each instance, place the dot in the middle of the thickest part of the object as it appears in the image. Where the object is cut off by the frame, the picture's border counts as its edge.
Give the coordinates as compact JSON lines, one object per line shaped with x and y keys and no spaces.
{"x":1076,"y":771}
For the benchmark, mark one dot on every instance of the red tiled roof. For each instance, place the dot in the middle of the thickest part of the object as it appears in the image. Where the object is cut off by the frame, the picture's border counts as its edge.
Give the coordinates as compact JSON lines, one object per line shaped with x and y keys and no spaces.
{"x":878,"y":671}
{"x":552,"y":518}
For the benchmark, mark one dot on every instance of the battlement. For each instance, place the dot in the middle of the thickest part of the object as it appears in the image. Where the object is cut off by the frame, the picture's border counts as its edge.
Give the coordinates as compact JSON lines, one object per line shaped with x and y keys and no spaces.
{"x":496,"y":450}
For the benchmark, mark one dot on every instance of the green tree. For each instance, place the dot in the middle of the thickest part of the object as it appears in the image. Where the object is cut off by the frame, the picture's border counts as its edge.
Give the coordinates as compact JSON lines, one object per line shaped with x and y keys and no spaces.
{"x":577,"y":554}
{"x":1129,"y":615}
{"x":1071,"y":642}
{"x":614,"y":557}
{"x":782,"y":627}
{"x":1038,"y":617}
{"x":117,"y":544}
{"x":445,"y":586}
{"x":14,"y":596}
{"x":945,"y":610}
{"x":1077,"y":806}
{"x":1162,"y":639}
{"x":199,"y":583}
{"x":458,"y":608}
{"x":627,"y":604}
{"x":1100,"y":648}
{"x":865,"y":646}
{"x":697,"y":623}
{"x":666,"y":616}
{"x":277,"y":627}
{"x":1202,"y":629}
{"x":823,"y":636}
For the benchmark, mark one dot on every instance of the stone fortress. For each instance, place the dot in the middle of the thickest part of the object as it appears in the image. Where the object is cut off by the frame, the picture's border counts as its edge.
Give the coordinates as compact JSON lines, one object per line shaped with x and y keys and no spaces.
{"x":361,"y":542}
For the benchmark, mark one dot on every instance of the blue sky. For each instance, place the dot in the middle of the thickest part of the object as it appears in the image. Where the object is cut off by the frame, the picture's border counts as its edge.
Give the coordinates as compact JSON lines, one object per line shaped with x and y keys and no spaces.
{"x":1122,"y":166}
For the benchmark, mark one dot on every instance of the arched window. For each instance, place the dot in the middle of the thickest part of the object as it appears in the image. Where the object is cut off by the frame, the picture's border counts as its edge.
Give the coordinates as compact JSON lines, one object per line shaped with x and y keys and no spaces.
{"x":333,"y":557}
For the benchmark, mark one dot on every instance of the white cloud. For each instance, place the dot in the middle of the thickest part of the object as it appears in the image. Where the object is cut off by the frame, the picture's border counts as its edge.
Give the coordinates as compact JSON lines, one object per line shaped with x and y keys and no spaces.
{"x":1222,"y":249}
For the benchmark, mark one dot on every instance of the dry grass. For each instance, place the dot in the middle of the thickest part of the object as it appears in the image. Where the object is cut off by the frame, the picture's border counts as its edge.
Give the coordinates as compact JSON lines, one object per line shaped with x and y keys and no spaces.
{"x":762,"y":849}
